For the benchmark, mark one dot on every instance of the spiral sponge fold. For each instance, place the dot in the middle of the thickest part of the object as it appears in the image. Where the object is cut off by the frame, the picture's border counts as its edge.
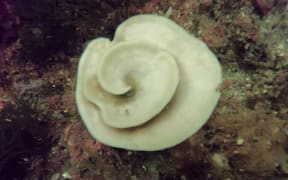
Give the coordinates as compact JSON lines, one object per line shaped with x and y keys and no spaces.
{"x":150,"y":88}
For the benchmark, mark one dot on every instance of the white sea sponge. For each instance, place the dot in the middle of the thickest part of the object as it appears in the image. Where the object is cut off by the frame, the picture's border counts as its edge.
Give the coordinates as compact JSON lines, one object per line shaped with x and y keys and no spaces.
{"x":150,"y":88}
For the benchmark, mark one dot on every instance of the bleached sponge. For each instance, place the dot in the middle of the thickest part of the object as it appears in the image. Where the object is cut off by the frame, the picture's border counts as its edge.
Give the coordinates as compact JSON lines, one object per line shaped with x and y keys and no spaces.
{"x":150,"y":88}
